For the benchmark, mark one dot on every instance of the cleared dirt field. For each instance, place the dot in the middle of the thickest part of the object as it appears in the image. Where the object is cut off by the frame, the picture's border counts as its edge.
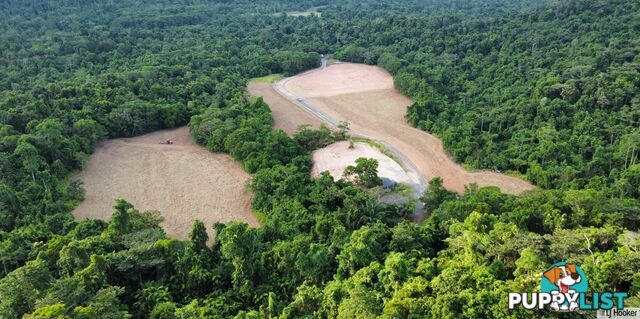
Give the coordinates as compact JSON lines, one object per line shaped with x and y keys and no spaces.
{"x":306,"y":13}
{"x":183,"y":181}
{"x":340,"y":78}
{"x":364,"y":96}
{"x":336,"y":157}
{"x":286,"y":115}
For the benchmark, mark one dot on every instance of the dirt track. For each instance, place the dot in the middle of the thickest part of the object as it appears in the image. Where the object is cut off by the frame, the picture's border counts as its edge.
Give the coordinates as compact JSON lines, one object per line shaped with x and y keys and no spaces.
{"x":364,"y":96}
{"x":183,"y":181}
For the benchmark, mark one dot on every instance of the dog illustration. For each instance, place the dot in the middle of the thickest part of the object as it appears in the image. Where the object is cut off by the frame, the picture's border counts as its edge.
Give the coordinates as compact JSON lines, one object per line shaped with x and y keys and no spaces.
{"x":563,"y":277}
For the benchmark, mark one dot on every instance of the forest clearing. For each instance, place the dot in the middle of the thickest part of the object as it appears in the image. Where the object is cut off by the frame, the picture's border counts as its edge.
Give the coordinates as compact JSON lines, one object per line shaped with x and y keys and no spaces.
{"x":336,"y":157}
{"x":305,"y":13}
{"x":183,"y":181}
{"x":364,"y":97}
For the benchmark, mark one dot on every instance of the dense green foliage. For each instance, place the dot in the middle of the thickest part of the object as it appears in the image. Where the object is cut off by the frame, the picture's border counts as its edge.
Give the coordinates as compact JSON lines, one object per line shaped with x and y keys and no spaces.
{"x":548,"y":92}
{"x":364,"y":173}
{"x":347,"y":10}
{"x":551,"y":94}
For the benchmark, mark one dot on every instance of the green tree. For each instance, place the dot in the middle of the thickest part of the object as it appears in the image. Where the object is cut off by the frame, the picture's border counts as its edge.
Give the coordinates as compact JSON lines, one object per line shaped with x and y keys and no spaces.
{"x":365,"y":246}
{"x":120,"y":222}
{"x":365,"y":172}
{"x":436,"y":194}
{"x":20,"y":289}
{"x":29,"y":157}
{"x":240,"y":245}
{"x":198,"y":236}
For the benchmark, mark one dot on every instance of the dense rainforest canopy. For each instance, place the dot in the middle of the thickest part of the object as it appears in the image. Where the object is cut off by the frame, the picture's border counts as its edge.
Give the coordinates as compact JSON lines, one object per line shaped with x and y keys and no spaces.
{"x":543,"y":89}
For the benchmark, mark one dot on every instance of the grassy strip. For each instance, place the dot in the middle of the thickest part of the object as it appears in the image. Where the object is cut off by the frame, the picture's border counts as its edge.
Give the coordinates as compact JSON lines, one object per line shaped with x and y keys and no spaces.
{"x":268,"y":78}
{"x":380,"y":147}
{"x":403,"y":190}
{"x":331,"y":61}
{"x":516,"y":174}
{"x":260,"y":216}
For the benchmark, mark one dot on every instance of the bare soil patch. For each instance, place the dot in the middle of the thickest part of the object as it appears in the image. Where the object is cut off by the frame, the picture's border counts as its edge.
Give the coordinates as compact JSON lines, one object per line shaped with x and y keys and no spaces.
{"x":183,"y":181}
{"x":339,"y":78}
{"x":306,"y":13}
{"x":364,"y":96}
{"x":336,"y":157}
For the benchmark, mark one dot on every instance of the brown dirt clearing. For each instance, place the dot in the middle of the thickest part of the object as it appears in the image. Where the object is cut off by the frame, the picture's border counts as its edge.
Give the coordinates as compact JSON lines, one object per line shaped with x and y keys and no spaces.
{"x":336,"y":157}
{"x":340,"y":78}
{"x":306,"y":13}
{"x":364,"y":96}
{"x":183,"y":181}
